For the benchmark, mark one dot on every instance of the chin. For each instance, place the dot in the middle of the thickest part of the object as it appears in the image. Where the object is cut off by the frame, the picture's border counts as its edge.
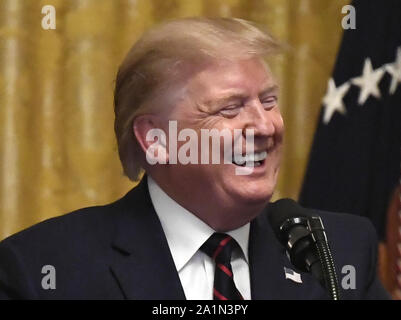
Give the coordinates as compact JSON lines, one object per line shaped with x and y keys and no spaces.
{"x":256,"y":187}
{"x":257,"y":198}
{"x":253,"y":197}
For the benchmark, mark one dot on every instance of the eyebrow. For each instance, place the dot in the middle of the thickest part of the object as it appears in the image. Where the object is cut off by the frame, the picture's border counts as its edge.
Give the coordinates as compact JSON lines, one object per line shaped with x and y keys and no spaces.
{"x":269,"y":90}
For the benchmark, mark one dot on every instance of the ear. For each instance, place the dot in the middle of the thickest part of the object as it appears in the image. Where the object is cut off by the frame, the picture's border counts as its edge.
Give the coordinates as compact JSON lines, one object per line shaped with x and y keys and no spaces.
{"x":151,"y":138}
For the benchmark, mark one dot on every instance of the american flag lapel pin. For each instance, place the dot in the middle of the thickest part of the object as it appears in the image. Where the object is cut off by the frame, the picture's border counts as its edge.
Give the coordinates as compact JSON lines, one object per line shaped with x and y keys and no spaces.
{"x":292,"y":275}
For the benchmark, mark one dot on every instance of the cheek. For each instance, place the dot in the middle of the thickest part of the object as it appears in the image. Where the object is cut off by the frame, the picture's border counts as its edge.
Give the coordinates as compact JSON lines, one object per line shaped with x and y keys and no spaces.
{"x":278,"y":123}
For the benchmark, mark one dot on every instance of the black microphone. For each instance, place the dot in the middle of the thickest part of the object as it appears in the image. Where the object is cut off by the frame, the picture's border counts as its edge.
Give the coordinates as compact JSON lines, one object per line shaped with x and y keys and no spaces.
{"x":305,"y":241}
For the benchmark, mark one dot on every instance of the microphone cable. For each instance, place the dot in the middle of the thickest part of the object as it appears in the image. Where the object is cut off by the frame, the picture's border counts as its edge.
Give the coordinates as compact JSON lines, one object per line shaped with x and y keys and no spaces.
{"x":315,"y":226}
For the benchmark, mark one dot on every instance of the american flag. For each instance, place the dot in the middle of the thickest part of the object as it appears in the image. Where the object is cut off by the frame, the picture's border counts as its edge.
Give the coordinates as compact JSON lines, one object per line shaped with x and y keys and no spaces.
{"x":354,"y":164}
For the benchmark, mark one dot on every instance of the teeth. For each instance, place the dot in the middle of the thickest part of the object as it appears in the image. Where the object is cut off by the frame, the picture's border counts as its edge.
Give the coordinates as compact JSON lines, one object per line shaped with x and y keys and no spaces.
{"x":250,"y":158}
{"x":260,"y":156}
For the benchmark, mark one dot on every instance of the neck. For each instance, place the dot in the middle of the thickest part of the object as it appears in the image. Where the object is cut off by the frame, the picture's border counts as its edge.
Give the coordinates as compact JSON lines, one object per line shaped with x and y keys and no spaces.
{"x":221,"y":215}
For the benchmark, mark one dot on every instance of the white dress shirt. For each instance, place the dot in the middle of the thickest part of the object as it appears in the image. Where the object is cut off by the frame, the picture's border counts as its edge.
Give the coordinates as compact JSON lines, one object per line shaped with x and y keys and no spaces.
{"x":185,"y":234}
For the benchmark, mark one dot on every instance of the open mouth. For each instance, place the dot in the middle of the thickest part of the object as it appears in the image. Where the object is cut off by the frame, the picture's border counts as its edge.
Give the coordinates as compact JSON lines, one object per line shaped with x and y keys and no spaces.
{"x":250,"y":160}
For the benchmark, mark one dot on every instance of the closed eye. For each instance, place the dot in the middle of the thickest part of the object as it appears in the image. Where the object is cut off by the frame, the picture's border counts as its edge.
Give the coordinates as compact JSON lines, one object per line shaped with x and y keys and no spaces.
{"x":269,"y":103}
{"x":231,"y":110}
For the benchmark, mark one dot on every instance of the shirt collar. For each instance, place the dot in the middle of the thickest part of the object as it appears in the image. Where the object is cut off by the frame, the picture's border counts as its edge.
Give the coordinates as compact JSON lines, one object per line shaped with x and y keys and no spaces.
{"x":184,"y":231}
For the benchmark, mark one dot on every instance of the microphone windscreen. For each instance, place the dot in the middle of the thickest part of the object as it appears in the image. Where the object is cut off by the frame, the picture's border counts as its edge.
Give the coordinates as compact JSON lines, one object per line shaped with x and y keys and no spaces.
{"x":284,"y":209}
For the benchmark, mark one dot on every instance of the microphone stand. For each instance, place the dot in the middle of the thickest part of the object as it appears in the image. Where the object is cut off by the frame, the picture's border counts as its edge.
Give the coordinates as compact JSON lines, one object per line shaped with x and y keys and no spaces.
{"x":315,"y":226}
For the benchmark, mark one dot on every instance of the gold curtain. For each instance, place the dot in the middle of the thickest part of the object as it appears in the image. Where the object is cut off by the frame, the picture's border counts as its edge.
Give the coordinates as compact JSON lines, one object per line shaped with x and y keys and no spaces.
{"x":57,"y":146}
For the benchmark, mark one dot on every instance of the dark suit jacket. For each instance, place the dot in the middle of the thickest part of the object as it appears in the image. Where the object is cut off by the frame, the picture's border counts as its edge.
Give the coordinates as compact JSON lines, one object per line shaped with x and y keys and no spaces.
{"x":119,"y":251}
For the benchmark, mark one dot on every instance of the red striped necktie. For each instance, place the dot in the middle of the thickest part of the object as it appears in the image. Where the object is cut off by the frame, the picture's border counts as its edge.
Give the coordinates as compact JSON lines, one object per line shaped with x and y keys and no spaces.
{"x":219,"y":247}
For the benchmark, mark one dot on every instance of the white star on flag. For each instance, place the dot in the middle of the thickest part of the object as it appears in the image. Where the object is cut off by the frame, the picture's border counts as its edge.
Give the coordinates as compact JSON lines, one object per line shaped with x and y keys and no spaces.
{"x":368,"y":82}
{"x":333,"y":100}
{"x":395,"y":70}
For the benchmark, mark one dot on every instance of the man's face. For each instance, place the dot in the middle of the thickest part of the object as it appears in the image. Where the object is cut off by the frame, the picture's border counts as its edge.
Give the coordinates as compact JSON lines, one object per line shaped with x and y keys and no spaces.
{"x":231,"y":95}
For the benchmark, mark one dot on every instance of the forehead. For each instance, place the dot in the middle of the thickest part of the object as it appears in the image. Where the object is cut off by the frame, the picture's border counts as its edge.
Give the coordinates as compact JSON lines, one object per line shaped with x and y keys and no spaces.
{"x":248,"y":76}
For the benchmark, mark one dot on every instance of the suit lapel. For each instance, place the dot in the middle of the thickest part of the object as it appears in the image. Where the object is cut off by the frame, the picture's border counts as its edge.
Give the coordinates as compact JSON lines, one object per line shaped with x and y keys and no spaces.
{"x":267,"y":261}
{"x":142,"y":264}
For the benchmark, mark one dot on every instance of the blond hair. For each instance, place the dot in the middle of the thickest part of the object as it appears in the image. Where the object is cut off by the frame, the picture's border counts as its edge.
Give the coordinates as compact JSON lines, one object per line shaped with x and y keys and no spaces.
{"x":152,"y":62}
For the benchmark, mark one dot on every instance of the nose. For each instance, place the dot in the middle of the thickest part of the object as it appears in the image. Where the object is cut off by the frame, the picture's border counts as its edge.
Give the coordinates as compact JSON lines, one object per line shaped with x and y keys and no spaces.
{"x":260,"y":120}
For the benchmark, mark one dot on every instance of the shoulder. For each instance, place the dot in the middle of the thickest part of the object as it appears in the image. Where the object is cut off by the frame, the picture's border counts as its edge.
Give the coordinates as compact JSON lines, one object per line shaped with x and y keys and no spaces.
{"x":95,"y":222}
{"x":348,"y":229}
{"x":65,"y":239}
{"x":353,"y":238}
{"x":76,"y":244}
{"x":69,"y":227}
